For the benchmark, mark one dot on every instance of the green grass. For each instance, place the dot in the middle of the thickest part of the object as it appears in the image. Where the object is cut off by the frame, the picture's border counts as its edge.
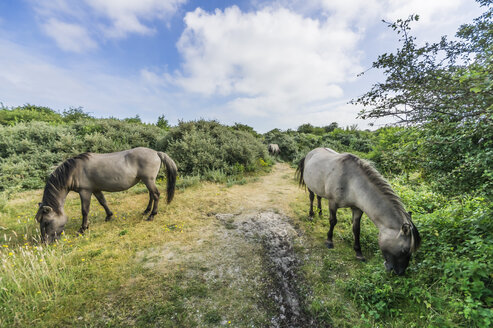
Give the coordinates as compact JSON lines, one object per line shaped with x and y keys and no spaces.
{"x":185,"y":269}
{"x":448,"y":283}
{"x":118,"y":273}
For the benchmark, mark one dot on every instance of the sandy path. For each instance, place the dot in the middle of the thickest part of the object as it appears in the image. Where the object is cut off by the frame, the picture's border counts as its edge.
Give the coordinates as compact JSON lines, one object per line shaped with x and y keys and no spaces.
{"x":248,"y":245}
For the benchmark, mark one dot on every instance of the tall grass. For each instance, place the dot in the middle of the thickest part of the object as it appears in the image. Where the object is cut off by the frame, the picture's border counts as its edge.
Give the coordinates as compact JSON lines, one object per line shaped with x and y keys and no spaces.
{"x":32,"y":279}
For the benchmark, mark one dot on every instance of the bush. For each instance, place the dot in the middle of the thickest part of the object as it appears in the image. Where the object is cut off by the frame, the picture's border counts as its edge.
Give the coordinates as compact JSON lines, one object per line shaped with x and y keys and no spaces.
{"x":28,"y":113}
{"x":202,"y":147}
{"x":452,"y":274}
{"x":295,"y":145}
{"x":29,"y":151}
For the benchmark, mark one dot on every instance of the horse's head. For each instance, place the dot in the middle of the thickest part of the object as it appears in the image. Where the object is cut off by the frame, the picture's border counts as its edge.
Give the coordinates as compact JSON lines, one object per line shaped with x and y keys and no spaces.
{"x":51,"y":223}
{"x":397,"y":247}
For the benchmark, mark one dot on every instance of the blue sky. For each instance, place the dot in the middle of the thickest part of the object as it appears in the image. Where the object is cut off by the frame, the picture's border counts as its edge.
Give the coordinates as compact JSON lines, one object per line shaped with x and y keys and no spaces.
{"x":268,"y":64}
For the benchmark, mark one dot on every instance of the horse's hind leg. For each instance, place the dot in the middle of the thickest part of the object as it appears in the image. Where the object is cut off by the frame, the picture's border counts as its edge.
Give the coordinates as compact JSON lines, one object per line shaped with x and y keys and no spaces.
{"x":153,"y":195}
{"x":333,"y":222}
{"x":85,"y":204}
{"x":149,"y":205}
{"x":319,"y":205}
{"x":357,"y":213}
{"x":312,"y":197}
{"x":100,"y":197}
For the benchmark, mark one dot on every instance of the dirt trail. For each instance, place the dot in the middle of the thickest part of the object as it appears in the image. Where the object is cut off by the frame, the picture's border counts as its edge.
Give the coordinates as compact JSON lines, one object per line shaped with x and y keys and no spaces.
{"x":248,"y":245}
{"x":273,"y":191}
{"x":263,"y":218}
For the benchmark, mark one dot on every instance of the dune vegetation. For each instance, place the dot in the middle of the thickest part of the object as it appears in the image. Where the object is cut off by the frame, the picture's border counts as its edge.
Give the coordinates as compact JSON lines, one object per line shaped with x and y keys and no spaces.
{"x":236,"y":246}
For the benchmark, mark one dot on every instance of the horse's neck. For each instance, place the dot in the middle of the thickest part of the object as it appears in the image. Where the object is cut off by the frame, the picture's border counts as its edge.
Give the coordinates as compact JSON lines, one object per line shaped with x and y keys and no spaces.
{"x":59,"y":196}
{"x":380,"y":209}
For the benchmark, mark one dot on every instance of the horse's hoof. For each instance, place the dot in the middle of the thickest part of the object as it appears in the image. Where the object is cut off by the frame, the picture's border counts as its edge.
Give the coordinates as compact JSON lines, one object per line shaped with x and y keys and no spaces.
{"x":108,"y":218}
{"x":150,"y":218}
{"x":361,"y":258}
{"x":329,"y":244}
{"x":81,"y":231}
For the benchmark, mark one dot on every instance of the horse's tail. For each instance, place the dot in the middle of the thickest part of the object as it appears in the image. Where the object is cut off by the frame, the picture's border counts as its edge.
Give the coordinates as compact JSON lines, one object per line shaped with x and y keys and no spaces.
{"x":171,"y":172}
{"x":299,"y":172}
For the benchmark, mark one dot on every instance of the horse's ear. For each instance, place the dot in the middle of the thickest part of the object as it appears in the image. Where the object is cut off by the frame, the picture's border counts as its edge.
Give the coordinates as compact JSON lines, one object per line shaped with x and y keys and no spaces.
{"x":47,"y":209}
{"x":410,"y":214}
{"x":406,"y":229}
{"x":39,"y":204}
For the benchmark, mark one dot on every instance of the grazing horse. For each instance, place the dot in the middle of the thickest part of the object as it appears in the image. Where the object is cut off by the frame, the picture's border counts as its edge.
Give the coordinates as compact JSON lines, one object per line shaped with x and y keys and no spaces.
{"x":91,"y":173}
{"x":274,"y":149}
{"x":347,"y":181}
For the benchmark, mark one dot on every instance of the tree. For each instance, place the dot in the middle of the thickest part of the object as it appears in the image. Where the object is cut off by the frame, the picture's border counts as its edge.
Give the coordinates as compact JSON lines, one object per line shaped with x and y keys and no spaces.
{"x":246,"y":128}
{"x":135,"y":119}
{"x":331,"y":127}
{"x":75,"y":114}
{"x":446,"y":90}
{"x":163,"y":123}
{"x":305,"y":128}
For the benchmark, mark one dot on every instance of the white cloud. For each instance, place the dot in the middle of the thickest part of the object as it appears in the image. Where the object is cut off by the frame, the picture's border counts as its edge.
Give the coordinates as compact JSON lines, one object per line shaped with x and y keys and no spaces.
{"x":269,"y":61}
{"x":437,"y":17}
{"x":431,"y":12}
{"x":277,"y":66}
{"x":79,"y":25}
{"x":128,"y":16}
{"x":69,"y":37}
{"x":35,"y":79}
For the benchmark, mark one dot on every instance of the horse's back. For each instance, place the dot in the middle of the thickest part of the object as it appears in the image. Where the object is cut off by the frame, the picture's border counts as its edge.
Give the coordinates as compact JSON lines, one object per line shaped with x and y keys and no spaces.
{"x":327,"y":173}
{"x":274,"y":148}
{"x":119,"y":170}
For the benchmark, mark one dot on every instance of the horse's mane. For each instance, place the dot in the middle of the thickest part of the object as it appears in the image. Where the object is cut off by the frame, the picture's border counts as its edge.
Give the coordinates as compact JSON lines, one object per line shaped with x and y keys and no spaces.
{"x":376,"y":178}
{"x":58,"y":180}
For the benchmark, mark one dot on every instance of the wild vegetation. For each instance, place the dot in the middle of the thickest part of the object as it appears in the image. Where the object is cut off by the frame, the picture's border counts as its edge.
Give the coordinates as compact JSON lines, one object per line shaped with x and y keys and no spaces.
{"x":187,"y":269}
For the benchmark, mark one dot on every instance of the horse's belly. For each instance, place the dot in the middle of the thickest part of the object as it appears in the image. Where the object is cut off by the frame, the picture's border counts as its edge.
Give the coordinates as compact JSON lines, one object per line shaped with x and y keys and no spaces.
{"x":117,"y":184}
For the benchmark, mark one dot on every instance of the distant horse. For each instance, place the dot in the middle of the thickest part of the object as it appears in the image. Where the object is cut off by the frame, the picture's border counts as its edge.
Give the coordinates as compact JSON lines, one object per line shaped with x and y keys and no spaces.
{"x":274,"y":149}
{"x":347,"y":181}
{"x":91,"y":173}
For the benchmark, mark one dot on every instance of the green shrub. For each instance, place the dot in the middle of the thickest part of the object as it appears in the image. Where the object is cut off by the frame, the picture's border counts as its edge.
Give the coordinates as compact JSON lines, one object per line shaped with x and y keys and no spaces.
{"x":28,"y":113}
{"x":451,"y":274}
{"x":29,"y":151}
{"x":295,"y":145}
{"x":202,"y":147}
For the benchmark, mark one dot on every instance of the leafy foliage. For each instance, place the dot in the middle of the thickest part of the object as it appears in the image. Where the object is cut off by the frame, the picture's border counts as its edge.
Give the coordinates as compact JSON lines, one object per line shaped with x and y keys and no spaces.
{"x":28,"y":113}
{"x":295,"y":145}
{"x":30,"y":149}
{"x":451,"y":277}
{"x":199,"y":147}
{"x":445,"y":90}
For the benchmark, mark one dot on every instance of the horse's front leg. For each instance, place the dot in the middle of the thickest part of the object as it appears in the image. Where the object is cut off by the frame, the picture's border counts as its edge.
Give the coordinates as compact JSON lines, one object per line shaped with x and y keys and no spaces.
{"x":85,"y":204}
{"x":319,"y":205}
{"x":100,"y":197}
{"x":333,"y":222}
{"x":357,"y":213}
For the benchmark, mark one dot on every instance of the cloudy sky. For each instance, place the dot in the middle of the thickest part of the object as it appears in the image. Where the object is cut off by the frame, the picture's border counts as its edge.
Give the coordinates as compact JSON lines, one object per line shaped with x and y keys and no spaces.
{"x":267,"y":64}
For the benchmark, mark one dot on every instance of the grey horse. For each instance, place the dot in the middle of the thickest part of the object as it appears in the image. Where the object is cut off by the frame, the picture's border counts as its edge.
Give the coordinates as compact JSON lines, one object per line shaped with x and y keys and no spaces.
{"x":274,"y":149}
{"x":347,"y":181}
{"x":91,"y":173}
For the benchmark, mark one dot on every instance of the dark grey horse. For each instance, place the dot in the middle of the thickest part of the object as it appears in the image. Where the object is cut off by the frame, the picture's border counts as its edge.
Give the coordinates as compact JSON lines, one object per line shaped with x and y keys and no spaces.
{"x":91,"y":173}
{"x":347,"y":181}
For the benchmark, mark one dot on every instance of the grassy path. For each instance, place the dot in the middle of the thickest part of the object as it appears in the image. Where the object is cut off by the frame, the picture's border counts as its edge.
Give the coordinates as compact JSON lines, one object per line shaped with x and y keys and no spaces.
{"x":187,"y":268}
